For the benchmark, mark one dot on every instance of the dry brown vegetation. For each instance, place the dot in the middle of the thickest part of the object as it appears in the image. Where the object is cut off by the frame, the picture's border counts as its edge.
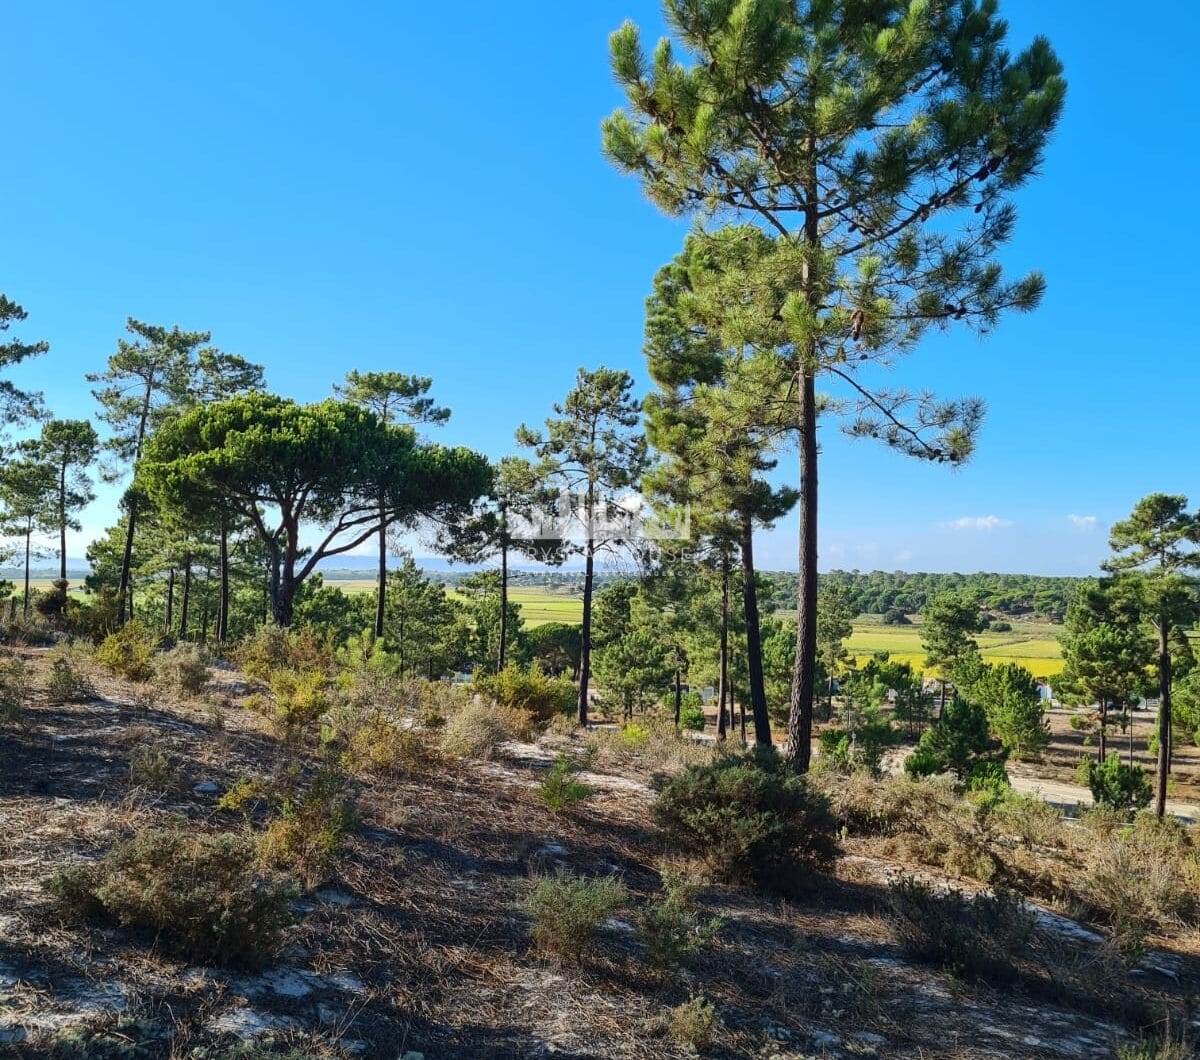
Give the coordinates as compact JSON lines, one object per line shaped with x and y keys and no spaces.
{"x":415,"y":930}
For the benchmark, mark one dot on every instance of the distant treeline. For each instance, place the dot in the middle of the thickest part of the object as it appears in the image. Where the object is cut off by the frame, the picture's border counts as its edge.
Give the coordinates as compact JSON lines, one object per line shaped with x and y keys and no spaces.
{"x":881,"y":592}
{"x":876,"y":592}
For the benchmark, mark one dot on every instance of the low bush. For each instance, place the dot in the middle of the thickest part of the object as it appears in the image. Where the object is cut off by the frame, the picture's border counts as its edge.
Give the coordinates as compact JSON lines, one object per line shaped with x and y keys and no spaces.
{"x":183,"y":669}
{"x":560,"y":789}
{"x":379,"y":746}
{"x":1034,"y":821}
{"x":691,"y":717}
{"x":300,"y":698}
{"x":673,"y":927}
{"x":1114,"y":784}
{"x":271,"y":648}
{"x":314,"y":820}
{"x":532,"y":691}
{"x":1144,"y":878}
{"x":566,"y":910}
{"x":151,"y":769}
{"x":749,"y":816}
{"x":67,"y":683}
{"x":860,"y":748}
{"x":976,"y":938}
{"x":14,"y":689}
{"x":204,"y":894}
{"x":693,"y":1023}
{"x":478,"y":727}
{"x":129,"y":652}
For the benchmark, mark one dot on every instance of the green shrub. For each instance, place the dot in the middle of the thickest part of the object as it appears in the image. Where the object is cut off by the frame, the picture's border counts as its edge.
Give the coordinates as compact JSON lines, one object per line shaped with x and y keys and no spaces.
{"x":129,"y":652}
{"x":204,"y":894}
{"x":300,"y":698}
{"x":51,"y":603}
{"x":151,"y":769}
{"x":560,"y":789}
{"x":383,"y":747}
{"x":955,"y":743}
{"x":544,"y":698}
{"x":270,"y":648}
{"x":861,"y":747}
{"x":691,"y":717}
{"x":313,"y":823}
{"x":749,"y":816}
{"x":1113,"y":784}
{"x":673,"y":927}
{"x":14,"y":689}
{"x":976,"y":938}
{"x":567,"y":910}
{"x":1035,"y":821}
{"x":692,"y":1023}
{"x":67,"y":683}
{"x":183,"y":669}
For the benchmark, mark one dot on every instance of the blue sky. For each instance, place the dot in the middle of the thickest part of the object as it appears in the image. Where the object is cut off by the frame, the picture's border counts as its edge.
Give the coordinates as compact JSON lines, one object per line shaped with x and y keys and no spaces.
{"x":419,"y":187}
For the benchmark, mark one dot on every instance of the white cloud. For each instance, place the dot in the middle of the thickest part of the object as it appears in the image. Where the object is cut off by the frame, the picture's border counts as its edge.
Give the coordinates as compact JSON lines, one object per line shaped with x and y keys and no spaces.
{"x":904,"y":556}
{"x":977,"y":522}
{"x":1084,"y":522}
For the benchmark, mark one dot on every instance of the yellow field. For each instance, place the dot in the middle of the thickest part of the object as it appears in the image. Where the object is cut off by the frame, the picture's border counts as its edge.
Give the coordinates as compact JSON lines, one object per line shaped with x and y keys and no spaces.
{"x":1031,"y":644}
{"x":539,"y":607}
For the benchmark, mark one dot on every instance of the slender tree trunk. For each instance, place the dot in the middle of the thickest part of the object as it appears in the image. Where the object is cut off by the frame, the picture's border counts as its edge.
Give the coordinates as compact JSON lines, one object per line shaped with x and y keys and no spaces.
{"x":187,"y":595}
{"x":585,"y":639}
{"x":1164,"y":711}
{"x":222,"y":630}
{"x":123,"y":588}
{"x":1103,"y":728}
{"x":678,"y":697}
{"x":754,"y":667}
{"x":723,"y":651}
{"x":28,"y":537}
{"x":62,"y":521}
{"x":800,"y":716}
{"x":381,"y":588}
{"x":169,"y":610}
{"x":503,"y":594}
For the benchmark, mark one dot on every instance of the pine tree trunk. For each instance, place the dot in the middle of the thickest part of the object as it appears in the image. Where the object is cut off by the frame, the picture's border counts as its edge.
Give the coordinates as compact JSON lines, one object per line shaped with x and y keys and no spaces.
{"x":124,"y":589}
{"x":222,"y":630}
{"x":503,"y":595}
{"x":185,"y":599}
{"x":585,"y":639}
{"x":678,"y":697}
{"x":381,"y":587}
{"x":723,"y":657}
{"x":754,"y":667}
{"x":62,"y":522}
{"x":1103,"y":728}
{"x":169,"y":610}
{"x":800,"y":716}
{"x":28,"y":537}
{"x":1164,"y":711}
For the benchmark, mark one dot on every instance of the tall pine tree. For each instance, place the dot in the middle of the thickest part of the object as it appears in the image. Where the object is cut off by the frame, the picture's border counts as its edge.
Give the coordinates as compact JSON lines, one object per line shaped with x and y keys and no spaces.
{"x":865,"y":154}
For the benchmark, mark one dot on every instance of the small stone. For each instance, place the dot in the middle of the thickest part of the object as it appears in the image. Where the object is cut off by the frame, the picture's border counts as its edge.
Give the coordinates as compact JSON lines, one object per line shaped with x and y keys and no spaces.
{"x":206,"y":787}
{"x":332,"y":896}
{"x":11,"y":1035}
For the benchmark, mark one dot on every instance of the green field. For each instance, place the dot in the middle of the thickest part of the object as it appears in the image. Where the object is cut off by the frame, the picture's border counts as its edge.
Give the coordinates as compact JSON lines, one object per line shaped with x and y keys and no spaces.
{"x":1032,"y":644}
{"x":539,"y":607}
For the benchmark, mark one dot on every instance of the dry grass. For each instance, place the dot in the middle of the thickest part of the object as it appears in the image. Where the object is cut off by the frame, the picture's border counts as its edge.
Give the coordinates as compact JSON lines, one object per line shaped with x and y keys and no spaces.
{"x":423,"y":905}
